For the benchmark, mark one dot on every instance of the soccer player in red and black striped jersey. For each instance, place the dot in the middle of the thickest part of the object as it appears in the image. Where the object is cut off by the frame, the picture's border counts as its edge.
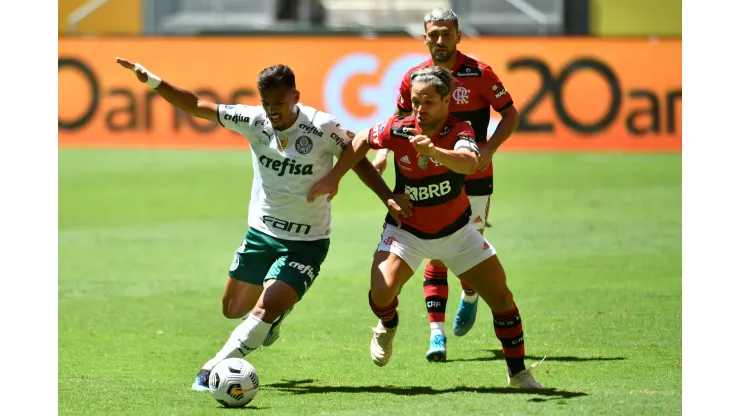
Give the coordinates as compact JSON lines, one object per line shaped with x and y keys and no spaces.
{"x":433,"y":153}
{"x":478,"y":89}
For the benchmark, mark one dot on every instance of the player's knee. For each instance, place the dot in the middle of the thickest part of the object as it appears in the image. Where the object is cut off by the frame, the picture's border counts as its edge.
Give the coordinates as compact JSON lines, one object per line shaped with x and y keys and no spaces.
{"x":383,"y":294}
{"x":437,"y":264}
{"x":383,"y":287}
{"x":268,"y":311}
{"x":260,"y":312}
{"x":502,"y":299}
{"x":231,"y":310}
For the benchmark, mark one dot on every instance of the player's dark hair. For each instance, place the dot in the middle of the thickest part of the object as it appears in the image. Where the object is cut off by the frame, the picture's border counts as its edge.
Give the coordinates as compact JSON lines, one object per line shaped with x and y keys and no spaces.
{"x":275,"y":76}
{"x":440,"y":77}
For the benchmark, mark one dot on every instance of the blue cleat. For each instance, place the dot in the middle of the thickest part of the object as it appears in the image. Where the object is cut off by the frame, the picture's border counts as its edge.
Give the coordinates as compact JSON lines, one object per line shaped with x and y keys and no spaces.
{"x":437,"y":348}
{"x":201,"y":380}
{"x":465,"y":317}
{"x":274,"y":333}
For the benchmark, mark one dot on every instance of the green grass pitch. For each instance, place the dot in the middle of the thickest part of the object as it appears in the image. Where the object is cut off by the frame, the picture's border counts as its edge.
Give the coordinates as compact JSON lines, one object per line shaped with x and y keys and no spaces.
{"x":591,"y":244}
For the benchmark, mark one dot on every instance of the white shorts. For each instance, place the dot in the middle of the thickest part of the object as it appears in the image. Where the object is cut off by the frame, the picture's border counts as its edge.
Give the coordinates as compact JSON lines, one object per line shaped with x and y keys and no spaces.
{"x":460,"y":251}
{"x":479,"y":205}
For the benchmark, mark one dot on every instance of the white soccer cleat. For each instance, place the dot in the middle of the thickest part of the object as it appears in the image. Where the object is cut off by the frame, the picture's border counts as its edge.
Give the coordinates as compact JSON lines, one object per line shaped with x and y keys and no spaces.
{"x":525,"y":380}
{"x":381,"y":346}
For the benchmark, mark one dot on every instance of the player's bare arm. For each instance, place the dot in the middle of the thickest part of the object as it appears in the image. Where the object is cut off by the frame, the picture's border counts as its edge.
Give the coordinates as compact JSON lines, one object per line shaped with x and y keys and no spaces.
{"x":350,"y":158}
{"x":181,"y":98}
{"x":463,"y":161}
{"x":353,"y":153}
{"x":506,"y":127}
{"x":397,"y":204}
{"x":372,"y":179}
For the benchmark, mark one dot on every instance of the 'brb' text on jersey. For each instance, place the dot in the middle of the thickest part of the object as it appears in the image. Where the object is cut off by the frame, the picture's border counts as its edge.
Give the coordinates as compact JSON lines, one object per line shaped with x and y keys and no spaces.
{"x":441,"y":205}
{"x":478,"y":89}
{"x":286,"y":165}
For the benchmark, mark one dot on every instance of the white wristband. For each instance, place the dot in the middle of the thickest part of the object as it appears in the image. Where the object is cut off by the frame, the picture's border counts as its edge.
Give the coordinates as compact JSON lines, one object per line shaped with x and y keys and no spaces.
{"x":383,"y":152}
{"x":152,"y":81}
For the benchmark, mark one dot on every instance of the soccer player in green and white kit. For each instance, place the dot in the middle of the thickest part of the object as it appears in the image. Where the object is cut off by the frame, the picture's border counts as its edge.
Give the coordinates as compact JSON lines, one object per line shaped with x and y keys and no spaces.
{"x":288,"y":238}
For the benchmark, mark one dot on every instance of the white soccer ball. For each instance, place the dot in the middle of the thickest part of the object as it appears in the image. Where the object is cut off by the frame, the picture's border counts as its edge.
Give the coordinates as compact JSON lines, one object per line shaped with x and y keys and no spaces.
{"x":233,"y":382}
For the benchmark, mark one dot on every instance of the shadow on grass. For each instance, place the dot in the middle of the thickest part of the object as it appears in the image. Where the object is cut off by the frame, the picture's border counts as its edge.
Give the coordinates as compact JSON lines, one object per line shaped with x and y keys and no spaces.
{"x":499,"y":355}
{"x":308,"y":387}
{"x":247,"y":407}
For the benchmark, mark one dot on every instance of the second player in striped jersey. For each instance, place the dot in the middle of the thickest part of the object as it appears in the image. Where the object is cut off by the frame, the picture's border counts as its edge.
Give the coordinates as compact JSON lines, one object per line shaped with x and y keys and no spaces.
{"x":477,"y":90}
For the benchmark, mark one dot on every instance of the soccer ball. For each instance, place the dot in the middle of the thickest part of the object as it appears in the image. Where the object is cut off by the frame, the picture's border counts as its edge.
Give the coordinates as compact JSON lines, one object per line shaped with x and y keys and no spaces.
{"x":233,"y":382}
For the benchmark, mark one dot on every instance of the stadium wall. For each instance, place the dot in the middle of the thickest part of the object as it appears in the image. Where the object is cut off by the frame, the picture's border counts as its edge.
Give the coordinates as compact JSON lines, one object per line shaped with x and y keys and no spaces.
{"x":585,"y":94}
{"x":115,"y":17}
{"x":636,"y":18}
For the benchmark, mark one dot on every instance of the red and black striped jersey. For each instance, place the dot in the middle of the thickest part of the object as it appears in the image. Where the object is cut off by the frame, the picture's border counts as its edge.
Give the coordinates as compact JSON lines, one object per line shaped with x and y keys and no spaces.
{"x":478,"y":89}
{"x":441,"y":205}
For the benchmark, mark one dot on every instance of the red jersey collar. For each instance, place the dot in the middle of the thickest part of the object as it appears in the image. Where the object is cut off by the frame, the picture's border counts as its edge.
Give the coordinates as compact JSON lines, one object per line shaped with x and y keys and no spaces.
{"x":436,"y":136}
{"x":458,"y":61}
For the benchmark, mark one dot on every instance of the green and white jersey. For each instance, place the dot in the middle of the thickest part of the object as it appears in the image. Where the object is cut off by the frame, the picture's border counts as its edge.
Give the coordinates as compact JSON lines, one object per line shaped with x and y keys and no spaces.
{"x":286,"y":165}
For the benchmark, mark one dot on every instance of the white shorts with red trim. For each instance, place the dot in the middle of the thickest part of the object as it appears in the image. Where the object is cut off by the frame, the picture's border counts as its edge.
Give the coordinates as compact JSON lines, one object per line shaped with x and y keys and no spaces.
{"x":460,"y":251}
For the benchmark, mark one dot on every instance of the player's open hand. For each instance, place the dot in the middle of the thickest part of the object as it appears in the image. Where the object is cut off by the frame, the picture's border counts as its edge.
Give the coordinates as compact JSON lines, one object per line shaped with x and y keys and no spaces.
{"x":140,"y":71}
{"x":325,"y":186}
{"x":422,"y":144}
{"x":400,"y":206}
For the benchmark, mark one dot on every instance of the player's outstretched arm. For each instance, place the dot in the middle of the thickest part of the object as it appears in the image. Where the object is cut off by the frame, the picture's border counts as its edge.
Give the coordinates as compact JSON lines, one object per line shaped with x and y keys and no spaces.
{"x":396,"y":204}
{"x":352,"y":154}
{"x":370,"y":176}
{"x":181,"y":98}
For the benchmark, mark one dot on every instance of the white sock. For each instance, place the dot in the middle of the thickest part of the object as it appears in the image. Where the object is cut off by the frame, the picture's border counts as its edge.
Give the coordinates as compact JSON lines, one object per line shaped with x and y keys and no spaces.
{"x":438,"y":328}
{"x":469,"y":299}
{"x":247,"y":337}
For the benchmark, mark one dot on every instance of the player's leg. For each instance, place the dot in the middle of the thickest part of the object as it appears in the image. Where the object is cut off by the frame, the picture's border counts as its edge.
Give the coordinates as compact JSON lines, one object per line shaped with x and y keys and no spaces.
{"x":239,"y":297}
{"x":243,"y":288}
{"x":286,"y":281}
{"x":468,"y":308}
{"x":297,"y":268}
{"x":435,"y":298}
{"x":481,"y":269}
{"x":276,"y":298}
{"x":393,"y":265}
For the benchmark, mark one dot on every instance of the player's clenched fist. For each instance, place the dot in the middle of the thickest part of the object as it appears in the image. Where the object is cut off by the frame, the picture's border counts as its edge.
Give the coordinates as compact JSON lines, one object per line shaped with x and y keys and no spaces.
{"x":142,"y":74}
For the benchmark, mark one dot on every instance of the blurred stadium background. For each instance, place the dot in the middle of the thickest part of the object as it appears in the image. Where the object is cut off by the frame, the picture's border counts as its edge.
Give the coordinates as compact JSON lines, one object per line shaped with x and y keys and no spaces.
{"x":639,"y":18}
{"x":586,"y":212}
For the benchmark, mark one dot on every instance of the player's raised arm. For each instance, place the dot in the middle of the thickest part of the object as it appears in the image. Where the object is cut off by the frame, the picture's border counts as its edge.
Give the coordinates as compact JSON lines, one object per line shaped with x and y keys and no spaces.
{"x":183,"y":99}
